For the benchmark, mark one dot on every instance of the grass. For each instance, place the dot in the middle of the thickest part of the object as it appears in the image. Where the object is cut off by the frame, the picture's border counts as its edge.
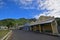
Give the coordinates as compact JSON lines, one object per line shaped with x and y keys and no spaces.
{"x":3,"y":33}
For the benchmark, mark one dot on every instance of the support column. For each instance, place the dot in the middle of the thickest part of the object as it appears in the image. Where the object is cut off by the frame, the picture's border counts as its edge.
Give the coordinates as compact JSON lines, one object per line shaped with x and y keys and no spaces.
{"x":30,"y":28}
{"x":54,"y":28}
{"x":34,"y":28}
{"x":40,"y":28}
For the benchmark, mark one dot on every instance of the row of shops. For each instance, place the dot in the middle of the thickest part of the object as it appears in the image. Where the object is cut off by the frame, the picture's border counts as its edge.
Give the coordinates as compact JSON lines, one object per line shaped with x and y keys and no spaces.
{"x":47,"y":26}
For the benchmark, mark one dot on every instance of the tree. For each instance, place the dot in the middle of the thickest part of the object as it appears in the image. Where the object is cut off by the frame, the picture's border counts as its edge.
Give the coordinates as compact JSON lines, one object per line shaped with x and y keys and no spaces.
{"x":13,"y":22}
{"x":7,"y":22}
{"x":58,"y":21}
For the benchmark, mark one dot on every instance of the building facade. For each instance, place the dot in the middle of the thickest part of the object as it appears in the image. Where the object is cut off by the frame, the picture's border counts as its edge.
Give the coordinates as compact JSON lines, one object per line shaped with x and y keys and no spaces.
{"x":44,"y":25}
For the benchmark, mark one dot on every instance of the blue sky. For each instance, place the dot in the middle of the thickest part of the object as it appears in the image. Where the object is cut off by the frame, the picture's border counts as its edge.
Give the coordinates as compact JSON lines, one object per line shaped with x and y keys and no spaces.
{"x":28,"y":8}
{"x":11,"y":10}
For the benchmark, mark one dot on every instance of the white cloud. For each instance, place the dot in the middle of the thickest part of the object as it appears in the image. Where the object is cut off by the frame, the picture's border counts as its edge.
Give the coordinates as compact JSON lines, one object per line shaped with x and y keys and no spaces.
{"x":26,"y":4}
{"x":42,"y":14}
{"x":52,"y":5}
{"x":2,"y":4}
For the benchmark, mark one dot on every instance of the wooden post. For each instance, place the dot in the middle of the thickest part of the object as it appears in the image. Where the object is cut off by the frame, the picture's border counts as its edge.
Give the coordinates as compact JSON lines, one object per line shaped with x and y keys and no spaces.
{"x":39,"y":28}
{"x":34,"y":28}
{"x":54,"y":27}
{"x":30,"y":28}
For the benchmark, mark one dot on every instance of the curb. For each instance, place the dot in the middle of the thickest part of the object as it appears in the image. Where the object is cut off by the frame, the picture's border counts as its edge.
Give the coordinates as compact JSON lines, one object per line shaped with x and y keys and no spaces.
{"x":56,"y":35}
{"x":50,"y":34}
{"x":7,"y":35}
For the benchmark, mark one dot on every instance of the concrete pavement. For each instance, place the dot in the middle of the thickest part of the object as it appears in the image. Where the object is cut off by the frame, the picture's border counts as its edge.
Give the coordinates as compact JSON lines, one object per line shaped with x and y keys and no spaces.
{"x":23,"y":35}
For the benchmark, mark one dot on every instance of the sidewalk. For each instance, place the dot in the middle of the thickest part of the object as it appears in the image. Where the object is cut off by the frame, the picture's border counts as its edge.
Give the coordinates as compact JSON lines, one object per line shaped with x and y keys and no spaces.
{"x":7,"y":35}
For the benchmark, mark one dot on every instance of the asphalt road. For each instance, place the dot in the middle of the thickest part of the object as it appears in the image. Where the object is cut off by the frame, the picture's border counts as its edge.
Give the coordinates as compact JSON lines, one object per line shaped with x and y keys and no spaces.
{"x":23,"y":35}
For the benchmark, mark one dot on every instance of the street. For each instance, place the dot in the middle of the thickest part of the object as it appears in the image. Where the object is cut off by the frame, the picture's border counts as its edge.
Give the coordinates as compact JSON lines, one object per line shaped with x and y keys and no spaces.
{"x":23,"y":35}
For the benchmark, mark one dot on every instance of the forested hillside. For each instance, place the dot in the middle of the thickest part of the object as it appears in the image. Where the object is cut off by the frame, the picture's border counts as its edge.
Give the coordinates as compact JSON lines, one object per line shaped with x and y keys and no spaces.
{"x":13,"y":22}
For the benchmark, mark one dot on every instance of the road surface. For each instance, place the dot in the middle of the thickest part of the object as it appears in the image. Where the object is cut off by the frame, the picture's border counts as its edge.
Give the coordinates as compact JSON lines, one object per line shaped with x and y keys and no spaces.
{"x":23,"y":35}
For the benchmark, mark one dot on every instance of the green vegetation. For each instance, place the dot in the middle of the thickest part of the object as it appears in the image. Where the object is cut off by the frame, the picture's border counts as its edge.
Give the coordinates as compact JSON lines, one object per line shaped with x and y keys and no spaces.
{"x":15,"y":22}
{"x":58,"y":21}
{"x":21,"y":21}
{"x":3,"y":33}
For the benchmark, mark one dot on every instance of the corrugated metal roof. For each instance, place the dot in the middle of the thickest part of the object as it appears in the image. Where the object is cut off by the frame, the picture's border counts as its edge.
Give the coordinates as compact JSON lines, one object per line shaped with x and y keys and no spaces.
{"x":48,"y":20}
{"x":43,"y":22}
